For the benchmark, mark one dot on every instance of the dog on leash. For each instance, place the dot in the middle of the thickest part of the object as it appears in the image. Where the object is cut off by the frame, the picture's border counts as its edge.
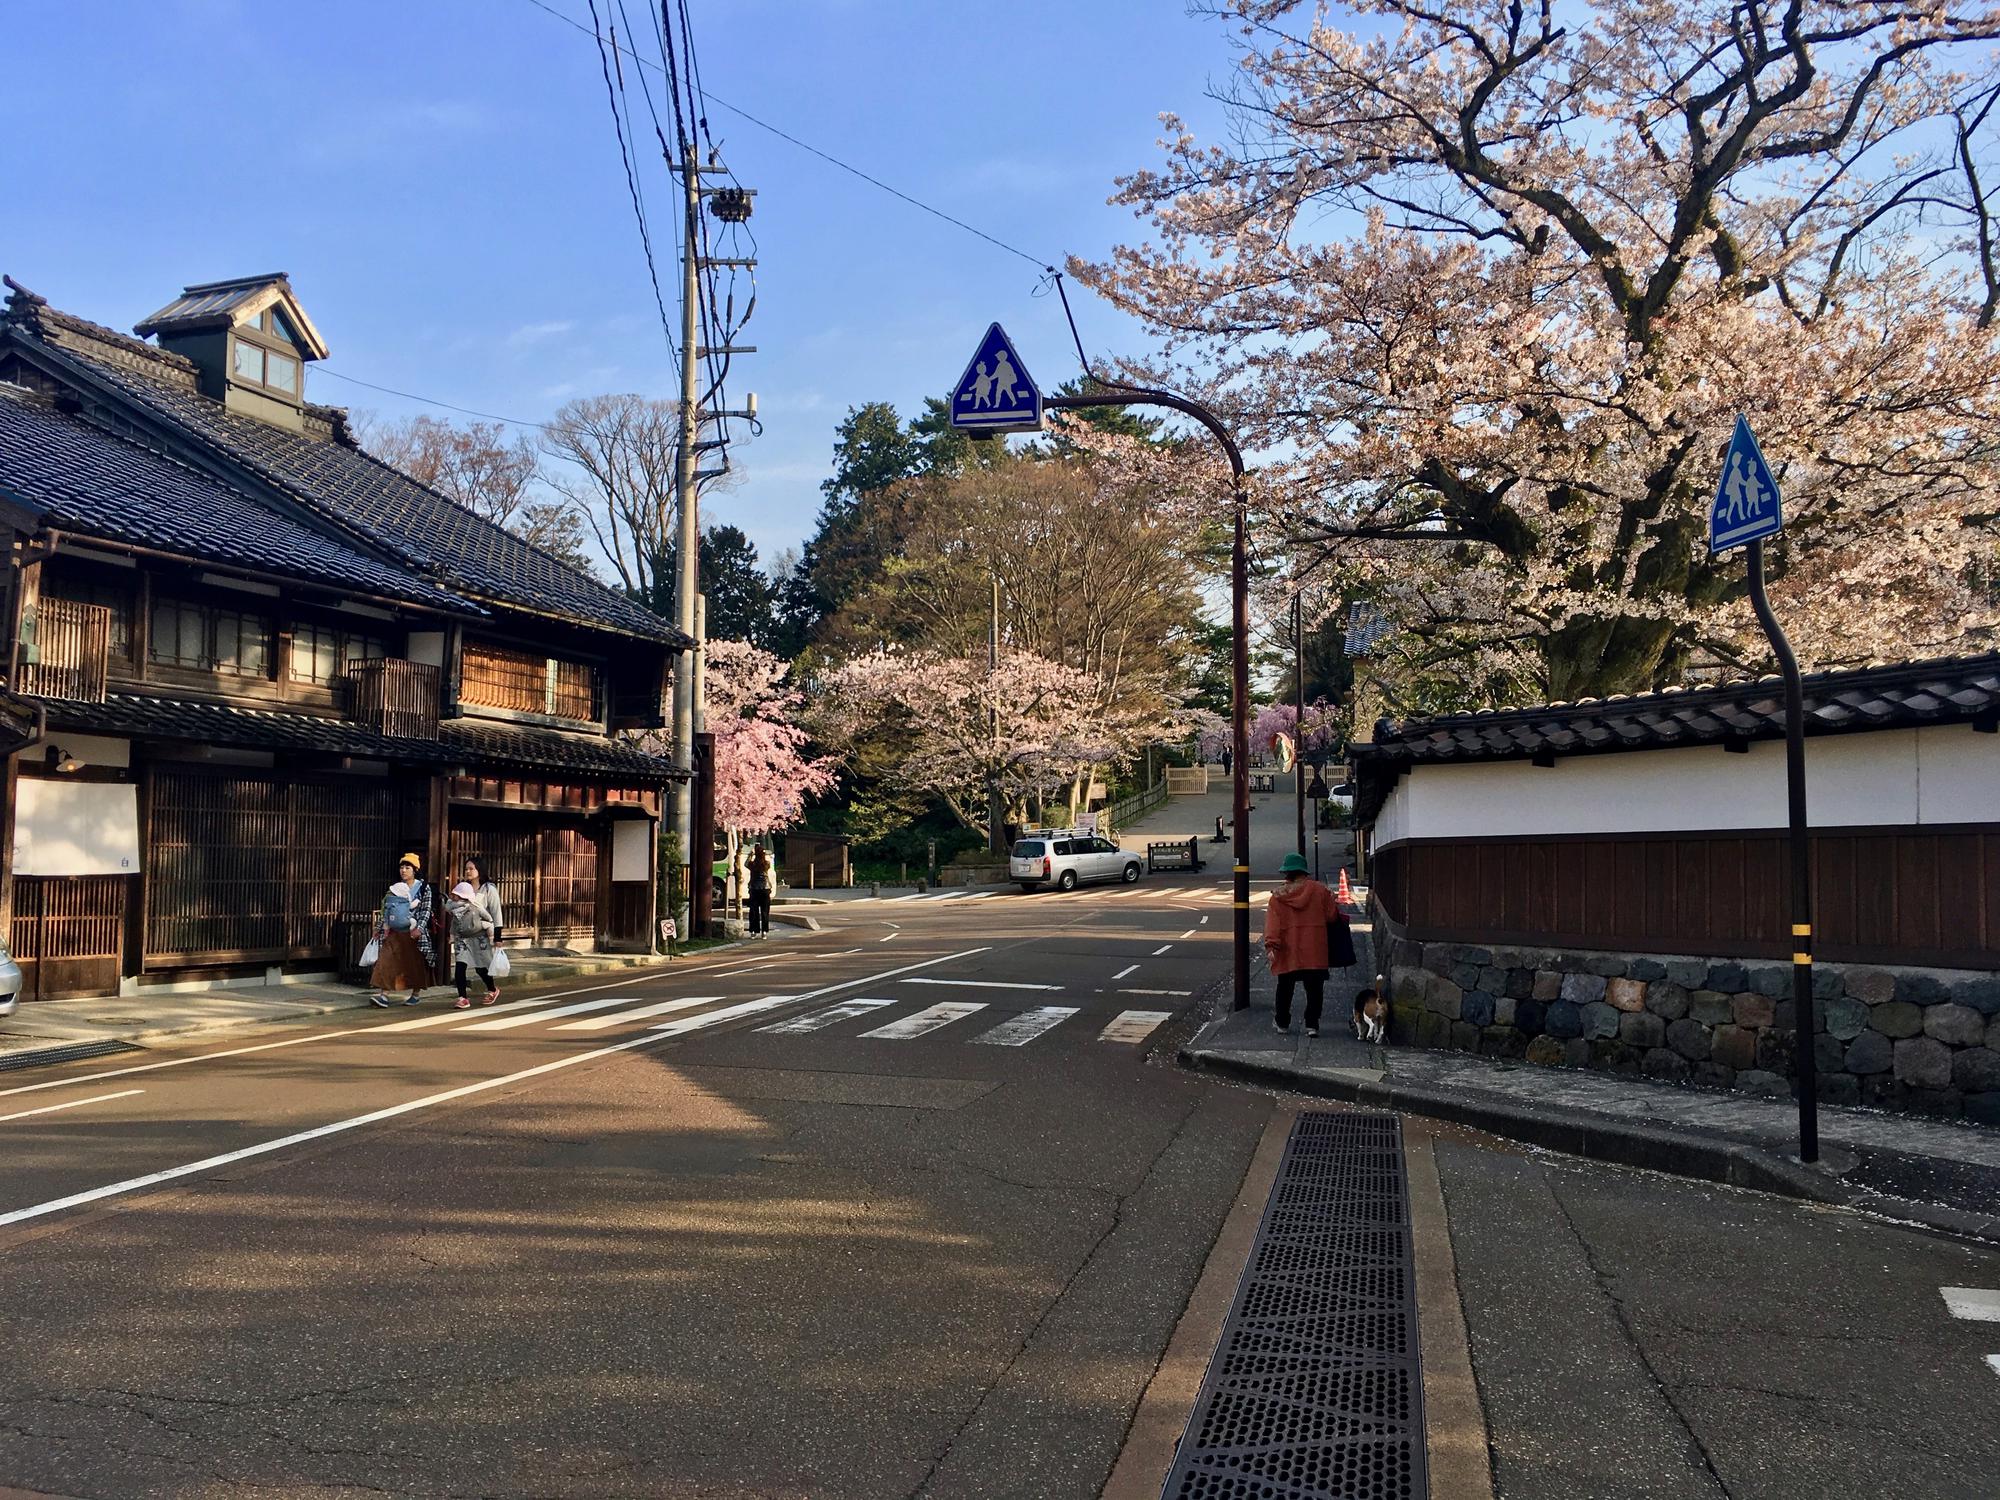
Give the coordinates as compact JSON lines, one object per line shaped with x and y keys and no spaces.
{"x":1369,"y":1015}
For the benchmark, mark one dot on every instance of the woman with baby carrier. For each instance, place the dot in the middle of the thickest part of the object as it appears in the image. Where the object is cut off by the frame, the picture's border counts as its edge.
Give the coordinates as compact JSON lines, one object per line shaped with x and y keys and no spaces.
{"x":475,"y":929}
{"x":405,"y":955}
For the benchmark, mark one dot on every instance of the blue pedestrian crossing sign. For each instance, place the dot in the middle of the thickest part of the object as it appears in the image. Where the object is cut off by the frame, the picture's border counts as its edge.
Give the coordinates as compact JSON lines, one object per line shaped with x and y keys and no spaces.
{"x":1746,"y":497}
{"x":995,"y":393}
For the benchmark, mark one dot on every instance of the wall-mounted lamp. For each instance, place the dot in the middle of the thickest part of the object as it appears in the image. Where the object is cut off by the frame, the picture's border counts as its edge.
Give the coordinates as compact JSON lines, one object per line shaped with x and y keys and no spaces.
{"x":59,"y":759}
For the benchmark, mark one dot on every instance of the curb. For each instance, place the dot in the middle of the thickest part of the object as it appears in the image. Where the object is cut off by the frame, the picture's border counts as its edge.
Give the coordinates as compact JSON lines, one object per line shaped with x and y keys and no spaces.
{"x":1678,"y":1153}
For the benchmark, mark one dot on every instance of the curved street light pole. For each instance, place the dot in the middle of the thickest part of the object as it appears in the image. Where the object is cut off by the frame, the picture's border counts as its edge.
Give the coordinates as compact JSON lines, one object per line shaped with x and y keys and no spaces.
{"x":1239,"y":665}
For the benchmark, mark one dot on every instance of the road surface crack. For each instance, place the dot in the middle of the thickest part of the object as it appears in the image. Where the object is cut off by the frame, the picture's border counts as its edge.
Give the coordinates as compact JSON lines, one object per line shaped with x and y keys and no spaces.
{"x":1119,"y":1205}
{"x":1604,"y":1281}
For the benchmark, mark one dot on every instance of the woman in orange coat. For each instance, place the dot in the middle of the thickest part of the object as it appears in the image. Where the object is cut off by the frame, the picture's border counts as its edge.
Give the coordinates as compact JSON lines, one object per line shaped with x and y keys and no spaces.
{"x":1295,"y":940}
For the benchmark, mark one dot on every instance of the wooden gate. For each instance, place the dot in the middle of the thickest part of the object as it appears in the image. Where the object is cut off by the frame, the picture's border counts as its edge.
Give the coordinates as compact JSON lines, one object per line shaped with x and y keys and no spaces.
{"x":243,"y":867}
{"x":68,"y":934}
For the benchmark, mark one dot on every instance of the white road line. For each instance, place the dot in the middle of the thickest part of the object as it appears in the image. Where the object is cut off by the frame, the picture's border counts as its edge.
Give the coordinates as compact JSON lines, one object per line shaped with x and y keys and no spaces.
{"x":1993,"y":1363}
{"x":847,"y":1010}
{"x":728,"y":1013}
{"x":508,"y":1023}
{"x":1133,"y":1025}
{"x":890,"y":938}
{"x":318,"y":1132}
{"x":1204,"y":919}
{"x":855,"y":984}
{"x":1156,"y":992}
{"x":747,"y":968}
{"x":178,"y":1062}
{"x":619,"y":1018}
{"x":49,"y":1109}
{"x":1161,"y":949}
{"x":984,"y":984}
{"x":978,"y":895}
{"x":1188,"y":934}
{"x":925,"y":1021}
{"x":1133,"y":968}
{"x":1028,"y":1025}
{"x":1975,"y":1303}
{"x":457,"y":1015}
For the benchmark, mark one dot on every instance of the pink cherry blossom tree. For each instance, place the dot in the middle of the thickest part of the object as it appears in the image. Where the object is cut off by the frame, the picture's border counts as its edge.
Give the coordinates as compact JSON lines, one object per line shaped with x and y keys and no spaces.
{"x":1505,"y":275}
{"x":948,"y":727}
{"x":764,"y":772}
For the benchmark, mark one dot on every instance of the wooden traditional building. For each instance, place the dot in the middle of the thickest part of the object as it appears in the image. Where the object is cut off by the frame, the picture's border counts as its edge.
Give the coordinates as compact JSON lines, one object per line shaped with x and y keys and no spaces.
{"x":247,"y":664}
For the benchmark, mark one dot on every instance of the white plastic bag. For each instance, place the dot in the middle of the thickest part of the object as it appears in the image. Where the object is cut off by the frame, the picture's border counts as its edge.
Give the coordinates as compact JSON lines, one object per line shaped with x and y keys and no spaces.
{"x":369,"y":954}
{"x":501,"y":966}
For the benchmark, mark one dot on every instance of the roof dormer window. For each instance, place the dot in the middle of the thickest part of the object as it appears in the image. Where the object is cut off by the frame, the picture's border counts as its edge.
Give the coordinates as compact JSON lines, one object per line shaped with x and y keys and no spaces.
{"x":249,"y":340}
{"x":266,"y":367}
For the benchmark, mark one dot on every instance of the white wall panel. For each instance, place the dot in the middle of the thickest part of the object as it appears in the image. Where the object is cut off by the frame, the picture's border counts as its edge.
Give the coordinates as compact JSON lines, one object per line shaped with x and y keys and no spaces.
{"x":76,"y":828}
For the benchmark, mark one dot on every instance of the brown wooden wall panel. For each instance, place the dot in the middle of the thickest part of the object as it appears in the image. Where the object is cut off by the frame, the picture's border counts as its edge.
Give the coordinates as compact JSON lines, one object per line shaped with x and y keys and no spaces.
{"x":68,"y":934}
{"x":1919,"y":896}
{"x":545,"y":869}
{"x":244,"y":866}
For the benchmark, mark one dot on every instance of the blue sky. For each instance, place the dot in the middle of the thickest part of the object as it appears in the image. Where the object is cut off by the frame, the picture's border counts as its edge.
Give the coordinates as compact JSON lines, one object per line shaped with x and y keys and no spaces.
{"x":441,"y":180}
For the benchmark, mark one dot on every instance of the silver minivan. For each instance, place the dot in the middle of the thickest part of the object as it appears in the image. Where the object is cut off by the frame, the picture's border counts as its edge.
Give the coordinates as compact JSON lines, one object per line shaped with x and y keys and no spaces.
{"x":1066,"y":858}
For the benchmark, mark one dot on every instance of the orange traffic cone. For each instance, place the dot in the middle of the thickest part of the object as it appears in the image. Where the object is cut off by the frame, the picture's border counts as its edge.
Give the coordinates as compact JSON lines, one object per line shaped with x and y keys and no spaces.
{"x":1345,"y":894}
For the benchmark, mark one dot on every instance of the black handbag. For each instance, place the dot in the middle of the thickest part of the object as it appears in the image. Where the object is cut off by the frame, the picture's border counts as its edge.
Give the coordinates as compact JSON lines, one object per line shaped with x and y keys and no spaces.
{"x":1340,"y":952}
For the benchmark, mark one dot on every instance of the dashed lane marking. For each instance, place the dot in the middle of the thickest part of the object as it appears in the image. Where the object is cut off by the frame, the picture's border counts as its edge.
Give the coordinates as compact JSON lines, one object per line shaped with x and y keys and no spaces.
{"x":1161,"y":949}
{"x":1188,"y":934}
{"x":749,"y":968}
{"x":620,"y":1018}
{"x":1028,"y":1025}
{"x":1993,"y":1363}
{"x":925,"y":1021}
{"x":1973,"y":1303}
{"x":984,"y":984}
{"x":1156,"y":992}
{"x":49,"y":1109}
{"x":1133,"y":1025}
{"x":1130,"y":969}
{"x":890,"y":938}
{"x":847,"y":1010}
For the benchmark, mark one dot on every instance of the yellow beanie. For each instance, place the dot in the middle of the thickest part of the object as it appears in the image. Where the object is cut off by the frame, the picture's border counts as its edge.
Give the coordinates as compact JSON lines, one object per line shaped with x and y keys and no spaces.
{"x":411,"y":859}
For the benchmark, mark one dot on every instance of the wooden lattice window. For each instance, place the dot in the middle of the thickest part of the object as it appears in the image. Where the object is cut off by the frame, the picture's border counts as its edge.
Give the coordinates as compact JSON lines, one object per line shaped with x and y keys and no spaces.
{"x":526,"y":682}
{"x":246,"y":866}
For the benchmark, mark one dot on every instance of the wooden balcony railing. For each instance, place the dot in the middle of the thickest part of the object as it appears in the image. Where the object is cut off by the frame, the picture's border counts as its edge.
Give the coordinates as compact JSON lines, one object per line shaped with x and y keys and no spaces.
{"x":394,"y":696}
{"x":66,"y":657}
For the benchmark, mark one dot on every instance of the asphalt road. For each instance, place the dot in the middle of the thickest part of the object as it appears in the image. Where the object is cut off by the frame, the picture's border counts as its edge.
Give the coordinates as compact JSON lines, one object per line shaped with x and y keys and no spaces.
{"x":626,"y":1261}
{"x":763,"y":1252}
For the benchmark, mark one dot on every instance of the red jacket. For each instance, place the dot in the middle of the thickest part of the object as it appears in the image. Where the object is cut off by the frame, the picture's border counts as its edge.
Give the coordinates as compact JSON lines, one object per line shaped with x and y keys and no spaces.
{"x":1295,"y":926}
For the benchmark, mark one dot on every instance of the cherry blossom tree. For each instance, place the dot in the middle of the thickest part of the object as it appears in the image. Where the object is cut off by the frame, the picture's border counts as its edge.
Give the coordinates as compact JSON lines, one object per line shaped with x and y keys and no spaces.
{"x":1503,"y":276}
{"x":764,"y":772}
{"x":949,"y":727}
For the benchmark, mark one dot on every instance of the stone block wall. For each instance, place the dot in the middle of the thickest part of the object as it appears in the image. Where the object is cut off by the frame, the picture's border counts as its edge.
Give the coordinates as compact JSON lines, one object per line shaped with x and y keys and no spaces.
{"x":1925,"y":1040}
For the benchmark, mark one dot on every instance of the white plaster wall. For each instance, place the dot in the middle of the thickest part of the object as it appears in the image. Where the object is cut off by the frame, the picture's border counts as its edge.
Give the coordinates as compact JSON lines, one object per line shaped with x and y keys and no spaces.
{"x":631,"y":849}
{"x":76,"y":828}
{"x":1897,"y":777}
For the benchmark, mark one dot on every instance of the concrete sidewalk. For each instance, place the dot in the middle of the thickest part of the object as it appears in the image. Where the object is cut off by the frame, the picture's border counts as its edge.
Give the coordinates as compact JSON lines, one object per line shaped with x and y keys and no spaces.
{"x":1941,"y":1174}
{"x":1273,"y":831}
{"x":54,"y":1027}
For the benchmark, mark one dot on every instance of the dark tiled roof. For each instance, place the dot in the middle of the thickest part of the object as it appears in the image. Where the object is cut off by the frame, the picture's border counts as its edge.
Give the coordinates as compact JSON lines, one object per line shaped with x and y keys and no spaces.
{"x":1948,"y":690}
{"x":460,"y":742}
{"x":90,"y":482}
{"x":462,"y":550}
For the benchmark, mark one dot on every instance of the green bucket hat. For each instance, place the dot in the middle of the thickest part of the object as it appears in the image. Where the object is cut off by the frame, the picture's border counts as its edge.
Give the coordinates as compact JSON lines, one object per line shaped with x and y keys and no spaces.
{"x":1292,"y":864}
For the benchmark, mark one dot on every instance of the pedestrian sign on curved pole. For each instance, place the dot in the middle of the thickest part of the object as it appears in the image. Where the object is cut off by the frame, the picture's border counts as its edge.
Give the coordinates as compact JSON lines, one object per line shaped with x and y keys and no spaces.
{"x":996,"y":393}
{"x":1745,"y":510}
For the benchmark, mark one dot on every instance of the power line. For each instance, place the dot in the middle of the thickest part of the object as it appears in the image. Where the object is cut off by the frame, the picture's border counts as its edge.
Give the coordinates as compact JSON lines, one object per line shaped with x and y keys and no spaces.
{"x":631,"y":181}
{"x":1039,"y":262}
{"x":428,"y":401}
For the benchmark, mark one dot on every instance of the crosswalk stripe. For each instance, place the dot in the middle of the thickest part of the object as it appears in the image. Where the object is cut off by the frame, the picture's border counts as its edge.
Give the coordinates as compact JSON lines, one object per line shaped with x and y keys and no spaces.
{"x":1993,"y":1363}
{"x":984,"y":984}
{"x":925,"y":1021}
{"x":508,"y":1023}
{"x":1156,"y":992}
{"x":1130,"y":968}
{"x":847,"y":1010}
{"x":1028,"y":1025}
{"x":619,"y":1018}
{"x":451,"y":1016}
{"x":1133,"y":1025}
{"x":716,"y":1017}
{"x":1974,"y":1303}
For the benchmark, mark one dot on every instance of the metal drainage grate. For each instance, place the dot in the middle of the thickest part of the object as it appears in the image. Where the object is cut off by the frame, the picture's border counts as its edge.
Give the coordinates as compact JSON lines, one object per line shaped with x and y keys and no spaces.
{"x":1315,"y":1391}
{"x":74,"y":1052}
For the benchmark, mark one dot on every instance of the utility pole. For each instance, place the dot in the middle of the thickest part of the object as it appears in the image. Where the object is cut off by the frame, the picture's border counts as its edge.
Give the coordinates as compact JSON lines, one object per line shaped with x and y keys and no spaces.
{"x":688,"y":534}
